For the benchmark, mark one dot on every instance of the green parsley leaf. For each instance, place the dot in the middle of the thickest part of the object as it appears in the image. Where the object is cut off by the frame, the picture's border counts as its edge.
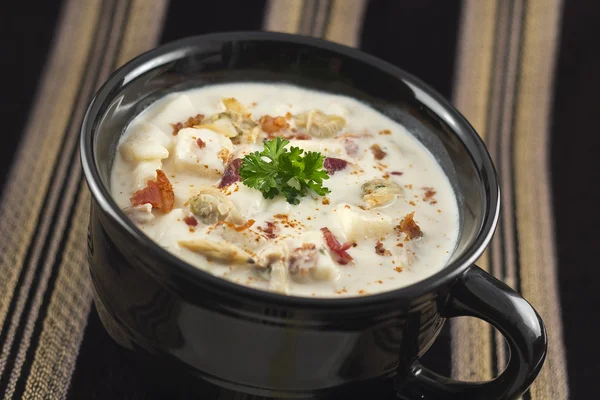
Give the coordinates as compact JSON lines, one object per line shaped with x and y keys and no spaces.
{"x":290,"y":172}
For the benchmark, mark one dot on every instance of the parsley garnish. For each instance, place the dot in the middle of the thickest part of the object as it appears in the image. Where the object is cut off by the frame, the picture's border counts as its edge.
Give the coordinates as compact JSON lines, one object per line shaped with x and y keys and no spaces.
{"x":277,"y":170}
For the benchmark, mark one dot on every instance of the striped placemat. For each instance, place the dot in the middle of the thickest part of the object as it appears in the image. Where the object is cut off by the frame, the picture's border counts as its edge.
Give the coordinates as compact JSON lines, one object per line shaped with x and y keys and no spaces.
{"x":499,"y":71}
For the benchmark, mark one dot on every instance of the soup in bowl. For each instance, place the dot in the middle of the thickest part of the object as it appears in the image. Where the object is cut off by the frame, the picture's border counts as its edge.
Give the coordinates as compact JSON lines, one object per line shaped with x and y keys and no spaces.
{"x":289,"y":217}
{"x":286,"y":189}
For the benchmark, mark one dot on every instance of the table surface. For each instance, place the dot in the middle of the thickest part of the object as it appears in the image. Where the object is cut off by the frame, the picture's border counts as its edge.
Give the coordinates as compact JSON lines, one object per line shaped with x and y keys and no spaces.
{"x":525,"y":74}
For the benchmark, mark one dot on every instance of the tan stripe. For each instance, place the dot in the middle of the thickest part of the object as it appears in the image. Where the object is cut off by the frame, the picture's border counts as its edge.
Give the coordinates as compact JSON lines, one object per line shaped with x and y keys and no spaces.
{"x":71,"y":174}
{"x":321,"y":18}
{"x":64,"y":324}
{"x":474,"y":61}
{"x":471,"y":351}
{"x":283,"y":15}
{"x":505,"y":130}
{"x":21,"y":203}
{"x":345,"y":22}
{"x":44,"y":164}
{"x":534,"y":212}
{"x":143,"y":28}
{"x":503,"y":97}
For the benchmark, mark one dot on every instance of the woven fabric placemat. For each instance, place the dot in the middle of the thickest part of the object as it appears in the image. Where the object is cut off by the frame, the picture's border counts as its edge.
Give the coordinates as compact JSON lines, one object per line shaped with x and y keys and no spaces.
{"x":501,"y":79}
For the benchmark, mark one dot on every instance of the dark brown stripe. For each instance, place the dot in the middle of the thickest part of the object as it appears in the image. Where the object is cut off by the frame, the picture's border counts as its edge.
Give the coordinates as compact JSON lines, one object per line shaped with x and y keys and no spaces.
{"x":415,"y":36}
{"x":21,"y":68}
{"x":189,"y":18}
{"x":575,"y":175}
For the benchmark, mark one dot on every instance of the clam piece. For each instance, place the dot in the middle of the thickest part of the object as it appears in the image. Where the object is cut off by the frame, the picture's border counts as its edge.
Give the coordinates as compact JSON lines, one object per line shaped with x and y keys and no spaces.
{"x":319,"y":124}
{"x":303,"y":259}
{"x":140,"y":214}
{"x":223,"y":126}
{"x":311,"y":261}
{"x":235,"y":121}
{"x":379,"y":192}
{"x":223,"y":252}
{"x":271,"y":266}
{"x":211,"y":205}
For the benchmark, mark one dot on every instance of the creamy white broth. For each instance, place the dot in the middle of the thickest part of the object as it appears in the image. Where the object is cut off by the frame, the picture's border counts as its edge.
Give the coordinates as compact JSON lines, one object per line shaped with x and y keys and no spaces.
{"x":149,"y":144}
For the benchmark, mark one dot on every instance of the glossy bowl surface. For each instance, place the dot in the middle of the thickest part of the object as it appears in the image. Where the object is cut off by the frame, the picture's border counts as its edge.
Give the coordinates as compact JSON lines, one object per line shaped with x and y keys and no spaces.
{"x":244,"y":338}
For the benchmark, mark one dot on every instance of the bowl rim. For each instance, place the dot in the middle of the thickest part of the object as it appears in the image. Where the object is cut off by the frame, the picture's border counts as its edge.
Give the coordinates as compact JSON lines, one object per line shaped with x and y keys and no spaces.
{"x":425,"y":94}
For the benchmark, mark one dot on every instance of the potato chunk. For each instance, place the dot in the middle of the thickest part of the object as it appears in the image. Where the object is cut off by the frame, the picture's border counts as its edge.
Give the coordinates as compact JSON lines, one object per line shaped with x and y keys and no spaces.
{"x":207,"y":161}
{"x":358,"y":224}
{"x":145,"y":143}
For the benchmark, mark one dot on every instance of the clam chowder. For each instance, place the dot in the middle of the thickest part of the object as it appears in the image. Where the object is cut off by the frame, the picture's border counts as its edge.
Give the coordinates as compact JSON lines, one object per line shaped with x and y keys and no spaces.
{"x":286,"y":189}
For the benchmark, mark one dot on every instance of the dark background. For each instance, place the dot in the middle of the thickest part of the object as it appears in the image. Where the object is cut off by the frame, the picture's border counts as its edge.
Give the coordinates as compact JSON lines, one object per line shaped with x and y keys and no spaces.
{"x":26,"y":31}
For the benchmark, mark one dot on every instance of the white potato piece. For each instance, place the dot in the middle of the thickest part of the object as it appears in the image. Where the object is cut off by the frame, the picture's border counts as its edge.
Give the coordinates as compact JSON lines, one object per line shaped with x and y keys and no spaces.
{"x":144,"y":143}
{"x":175,"y":109}
{"x":358,"y":224}
{"x":144,"y":172}
{"x":208,"y":161}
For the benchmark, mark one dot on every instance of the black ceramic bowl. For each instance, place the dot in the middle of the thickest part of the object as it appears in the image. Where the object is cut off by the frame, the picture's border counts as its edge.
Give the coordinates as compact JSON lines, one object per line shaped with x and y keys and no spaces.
{"x":271,"y":344}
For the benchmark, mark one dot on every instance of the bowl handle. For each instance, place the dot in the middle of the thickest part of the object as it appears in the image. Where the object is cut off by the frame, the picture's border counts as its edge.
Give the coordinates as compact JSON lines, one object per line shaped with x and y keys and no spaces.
{"x":478,"y":294}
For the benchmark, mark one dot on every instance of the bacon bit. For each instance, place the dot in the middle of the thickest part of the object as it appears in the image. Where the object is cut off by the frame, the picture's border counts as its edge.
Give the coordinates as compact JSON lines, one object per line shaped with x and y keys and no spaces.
{"x":231,"y":173}
{"x":386,"y":176}
{"x":380,"y":250}
{"x":400,"y":245}
{"x":385,"y":132}
{"x":332,"y":164}
{"x":398,"y":173}
{"x":339,"y":250}
{"x":298,"y":136}
{"x":223,"y":154}
{"x":398,"y":269}
{"x":176,"y":128}
{"x":412,"y":203}
{"x":191,"y":221}
{"x":288,"y":115}
{"x":294,"y":130}
{"x":325,"y":201}
{"x":271,"y":125}
{"x":191,"y":121}
{"x":200,"y":143}
{"x":409,"y":227}
{"x":362,"y":292}
{"x":243,"y":227}
{"x":281,"y":216}
{"x":377,"y":152}
{"x":429,"y":193}
{"x":158,"y":193}
{"x":351,"y":147}
{"x":269,"y":231}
